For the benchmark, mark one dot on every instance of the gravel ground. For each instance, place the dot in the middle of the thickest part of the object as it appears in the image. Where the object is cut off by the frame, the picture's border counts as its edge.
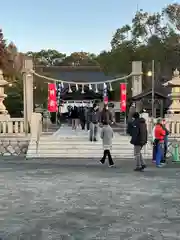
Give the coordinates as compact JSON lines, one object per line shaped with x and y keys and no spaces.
{"x":88,"y":201}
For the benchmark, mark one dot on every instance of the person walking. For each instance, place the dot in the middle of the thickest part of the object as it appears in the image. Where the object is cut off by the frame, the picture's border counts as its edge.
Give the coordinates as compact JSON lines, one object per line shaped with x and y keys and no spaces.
{"x":75,"y":118}
{"x":159,"y":133}
{"x":107,"y":136}
{"x":82,"y":117}
{"x":106,"y":115}
{"x":87,"y":117}
{"x":94,"y":116}
{"x":138,"y":139}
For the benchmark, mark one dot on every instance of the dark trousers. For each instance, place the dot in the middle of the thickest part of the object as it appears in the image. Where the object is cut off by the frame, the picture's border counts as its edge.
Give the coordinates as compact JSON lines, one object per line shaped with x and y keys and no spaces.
{"x":83,"y":123}
{"x":159,"y":152}
{"x":163,"y":160}
{"x":107,"y":154}
{"x":87,"y":125}
{"x":154,"y":151}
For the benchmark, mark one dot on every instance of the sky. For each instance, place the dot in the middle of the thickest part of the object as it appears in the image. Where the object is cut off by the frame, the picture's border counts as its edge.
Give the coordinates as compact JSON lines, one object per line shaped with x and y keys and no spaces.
{"x":68,"y":25}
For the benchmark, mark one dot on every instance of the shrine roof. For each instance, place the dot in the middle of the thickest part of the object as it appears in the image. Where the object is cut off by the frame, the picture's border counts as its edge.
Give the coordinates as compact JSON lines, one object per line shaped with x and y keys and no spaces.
{"x":148,"y":92}
{"x":76,"y":74}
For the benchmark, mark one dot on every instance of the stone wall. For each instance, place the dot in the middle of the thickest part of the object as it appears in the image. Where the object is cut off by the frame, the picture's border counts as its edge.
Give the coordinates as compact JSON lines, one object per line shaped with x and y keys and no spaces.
{"x":13,"y":146}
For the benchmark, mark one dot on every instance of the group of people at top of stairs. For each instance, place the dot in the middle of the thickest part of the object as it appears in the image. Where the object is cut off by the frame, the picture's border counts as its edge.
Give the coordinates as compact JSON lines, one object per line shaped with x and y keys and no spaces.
{"x":137,"y":129}
{"x":89,"y":118}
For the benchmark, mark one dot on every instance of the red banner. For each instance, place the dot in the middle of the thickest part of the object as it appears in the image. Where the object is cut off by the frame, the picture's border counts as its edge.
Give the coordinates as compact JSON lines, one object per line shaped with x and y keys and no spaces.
{"x":52,"y":101}
{"x":123,"y":97}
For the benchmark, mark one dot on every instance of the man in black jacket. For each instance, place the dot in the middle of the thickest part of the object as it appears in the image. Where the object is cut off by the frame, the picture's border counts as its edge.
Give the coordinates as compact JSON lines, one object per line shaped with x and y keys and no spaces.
{"x":138,"y":139}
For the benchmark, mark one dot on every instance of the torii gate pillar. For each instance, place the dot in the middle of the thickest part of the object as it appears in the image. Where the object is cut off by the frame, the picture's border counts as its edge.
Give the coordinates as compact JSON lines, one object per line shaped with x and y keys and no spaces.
{"x":28,"y":91}
{"x":137,"y":81}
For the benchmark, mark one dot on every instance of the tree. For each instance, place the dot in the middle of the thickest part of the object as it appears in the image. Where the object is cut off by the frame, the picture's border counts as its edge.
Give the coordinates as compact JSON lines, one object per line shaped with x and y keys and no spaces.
{"x":3,"y":54}
{"x":48,"y":57}
{"x":80,"y":59}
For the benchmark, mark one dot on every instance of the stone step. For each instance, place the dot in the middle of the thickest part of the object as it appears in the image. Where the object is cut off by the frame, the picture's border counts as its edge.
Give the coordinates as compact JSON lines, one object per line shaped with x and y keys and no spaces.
{"x":84,"y":151}
{"x":79,"y":143}
{"x":83,"y":156}
{"x":81,"y":147}
{"x":46,"y":137}
{"x":66,"y":143}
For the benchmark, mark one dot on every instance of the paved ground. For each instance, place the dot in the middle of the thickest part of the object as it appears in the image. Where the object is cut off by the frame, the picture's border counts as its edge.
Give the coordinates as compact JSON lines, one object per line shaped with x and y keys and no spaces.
{"x":58,"y":201}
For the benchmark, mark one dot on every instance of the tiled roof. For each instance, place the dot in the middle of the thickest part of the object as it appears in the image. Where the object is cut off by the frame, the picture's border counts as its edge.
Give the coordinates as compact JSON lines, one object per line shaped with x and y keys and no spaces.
{"x":76,"y":74}
{"x":84,"y":76}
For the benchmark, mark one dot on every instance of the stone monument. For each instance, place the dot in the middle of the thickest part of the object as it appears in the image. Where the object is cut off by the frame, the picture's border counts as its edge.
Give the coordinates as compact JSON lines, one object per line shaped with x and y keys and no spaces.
{"x":3,"y":112}
{"x":174,"y":96}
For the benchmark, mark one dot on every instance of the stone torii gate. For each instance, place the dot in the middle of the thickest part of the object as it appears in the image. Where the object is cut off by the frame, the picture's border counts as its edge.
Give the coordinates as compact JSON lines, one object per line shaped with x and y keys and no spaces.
{"x":28,"y":86}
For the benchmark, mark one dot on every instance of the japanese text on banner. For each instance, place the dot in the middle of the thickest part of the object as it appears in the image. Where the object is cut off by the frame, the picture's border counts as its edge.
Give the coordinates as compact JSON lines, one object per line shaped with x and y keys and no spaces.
{"x":52,"y":101}
{"x":123,"y":97}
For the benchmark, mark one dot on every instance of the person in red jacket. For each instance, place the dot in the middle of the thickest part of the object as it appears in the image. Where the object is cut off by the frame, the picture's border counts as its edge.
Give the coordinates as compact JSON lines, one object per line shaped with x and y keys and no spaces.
{"x":159,"y":134}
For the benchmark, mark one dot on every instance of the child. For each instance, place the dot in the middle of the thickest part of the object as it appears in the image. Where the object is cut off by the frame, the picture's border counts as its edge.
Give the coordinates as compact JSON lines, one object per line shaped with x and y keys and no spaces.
{"x":106,"y":136}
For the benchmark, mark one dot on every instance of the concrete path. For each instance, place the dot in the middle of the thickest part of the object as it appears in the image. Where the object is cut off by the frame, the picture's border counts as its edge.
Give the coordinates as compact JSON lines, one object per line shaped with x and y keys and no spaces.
{"x":42,"y":202}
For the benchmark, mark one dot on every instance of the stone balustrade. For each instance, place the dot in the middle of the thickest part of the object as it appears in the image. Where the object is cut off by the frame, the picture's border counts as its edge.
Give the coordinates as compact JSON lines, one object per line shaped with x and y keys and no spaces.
{"x":12,"y":126}
{"x":172,"y":125}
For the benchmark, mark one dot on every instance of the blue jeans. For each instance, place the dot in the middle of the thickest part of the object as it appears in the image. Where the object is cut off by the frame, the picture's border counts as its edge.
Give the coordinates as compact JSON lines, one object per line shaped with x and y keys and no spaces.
{"x":159,"y":153}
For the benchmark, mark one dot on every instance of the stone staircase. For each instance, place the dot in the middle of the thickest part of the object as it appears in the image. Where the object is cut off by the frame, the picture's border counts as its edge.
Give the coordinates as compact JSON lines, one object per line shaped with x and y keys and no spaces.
{"x":66,"y":143}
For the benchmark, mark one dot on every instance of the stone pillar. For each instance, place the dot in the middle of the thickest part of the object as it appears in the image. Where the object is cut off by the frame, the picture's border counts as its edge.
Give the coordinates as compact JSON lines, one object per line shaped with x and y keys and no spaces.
{"x":28,"y":91}
{"x":137,"y":81}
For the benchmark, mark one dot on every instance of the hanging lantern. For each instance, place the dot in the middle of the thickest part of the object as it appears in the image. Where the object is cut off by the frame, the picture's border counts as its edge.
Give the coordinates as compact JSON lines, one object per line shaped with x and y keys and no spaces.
{"x":82,"y":89}
{"x":96,"y":91}
{"x":77,"y":87}
{"x":110,"y":87}
{"x":90,"y":87}
{"x":62,"y":85}
{"x":70,"y":90}
{"x":105,"y":86}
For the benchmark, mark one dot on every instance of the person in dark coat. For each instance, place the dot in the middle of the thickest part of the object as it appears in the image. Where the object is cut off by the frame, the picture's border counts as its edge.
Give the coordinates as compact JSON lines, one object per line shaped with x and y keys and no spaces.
{"x":82,"y":117}
{"x":132,"y":110}
{"x":94,"y":117}
{"x":139,"y":139}
{"x":75,"y":117}
{"x":106,"y":115}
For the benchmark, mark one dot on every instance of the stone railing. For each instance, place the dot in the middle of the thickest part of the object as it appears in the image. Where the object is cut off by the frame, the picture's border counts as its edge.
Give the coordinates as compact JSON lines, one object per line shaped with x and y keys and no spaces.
{"x":12,"y":126}
{"x":172,"y":125}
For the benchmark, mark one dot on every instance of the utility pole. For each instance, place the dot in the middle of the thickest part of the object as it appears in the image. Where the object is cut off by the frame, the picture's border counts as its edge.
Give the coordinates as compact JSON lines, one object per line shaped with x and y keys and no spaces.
{"x":153,"y":78}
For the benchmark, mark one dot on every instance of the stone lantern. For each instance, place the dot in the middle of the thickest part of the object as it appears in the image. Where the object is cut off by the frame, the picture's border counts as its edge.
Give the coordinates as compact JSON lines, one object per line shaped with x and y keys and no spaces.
{"x":3,"y":111}
{"x":174,"y":96}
